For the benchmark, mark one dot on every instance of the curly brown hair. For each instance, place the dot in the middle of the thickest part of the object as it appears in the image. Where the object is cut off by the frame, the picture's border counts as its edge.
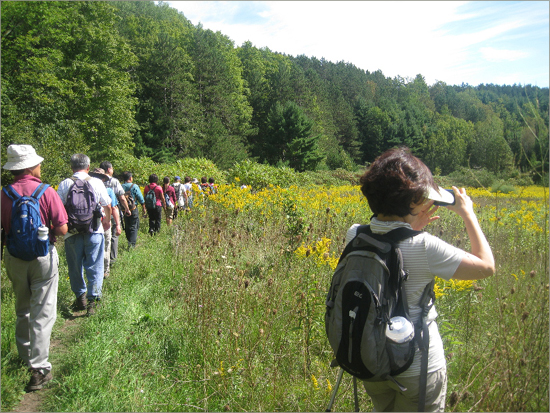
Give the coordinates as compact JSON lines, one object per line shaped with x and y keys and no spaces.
{"x":394,"y":181}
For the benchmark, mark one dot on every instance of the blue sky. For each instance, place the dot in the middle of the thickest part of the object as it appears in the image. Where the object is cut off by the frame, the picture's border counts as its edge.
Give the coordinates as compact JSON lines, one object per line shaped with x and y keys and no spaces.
{"x":500,"y":42}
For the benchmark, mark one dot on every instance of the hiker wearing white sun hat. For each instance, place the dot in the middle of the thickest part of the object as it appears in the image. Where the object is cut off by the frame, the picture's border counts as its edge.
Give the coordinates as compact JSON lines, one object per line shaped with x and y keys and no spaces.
{"x":401,"y":192}
{"x":34,"y":276}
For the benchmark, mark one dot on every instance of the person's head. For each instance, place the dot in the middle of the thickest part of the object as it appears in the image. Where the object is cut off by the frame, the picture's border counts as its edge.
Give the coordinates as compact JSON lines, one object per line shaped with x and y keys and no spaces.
{"x":186,"y":179}
{"x":80,"y":162}
{"x":22,"y":159}
{"x":396,"y":182}
{"x":107,"y":167}
{"x":166,"y":180}
{"x":203,"y":180}
{"x":177,"y":179}
{"x":210,"y":180}
{"x":153,"y":178}
{"x":128,"y":176}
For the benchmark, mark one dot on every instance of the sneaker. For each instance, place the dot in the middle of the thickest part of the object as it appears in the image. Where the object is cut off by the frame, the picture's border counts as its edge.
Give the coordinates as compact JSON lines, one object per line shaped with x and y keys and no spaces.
{"x":92,"y":304}
{"x":38,"y":380}
{"x":80,"y":303}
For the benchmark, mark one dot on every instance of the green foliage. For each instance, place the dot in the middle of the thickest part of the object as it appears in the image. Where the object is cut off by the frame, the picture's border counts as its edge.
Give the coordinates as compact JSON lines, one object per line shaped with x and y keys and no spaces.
{"x":261,"y":176}
{"x":474,"y":178}
{"x":192,"y":167}
{"x":116,"y":78}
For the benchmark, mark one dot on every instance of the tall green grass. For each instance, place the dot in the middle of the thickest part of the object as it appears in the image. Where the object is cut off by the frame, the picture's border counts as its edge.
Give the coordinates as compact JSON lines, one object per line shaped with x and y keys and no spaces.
{"x":218,"y":313}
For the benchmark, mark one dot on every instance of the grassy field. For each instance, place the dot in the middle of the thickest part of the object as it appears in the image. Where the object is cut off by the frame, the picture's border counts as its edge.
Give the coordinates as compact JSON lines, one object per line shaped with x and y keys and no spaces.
{"x":223,"y":311}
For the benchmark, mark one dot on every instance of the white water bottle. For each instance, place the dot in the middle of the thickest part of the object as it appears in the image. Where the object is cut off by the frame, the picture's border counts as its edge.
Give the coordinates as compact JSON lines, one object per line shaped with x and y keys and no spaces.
{"x":43,"y":233}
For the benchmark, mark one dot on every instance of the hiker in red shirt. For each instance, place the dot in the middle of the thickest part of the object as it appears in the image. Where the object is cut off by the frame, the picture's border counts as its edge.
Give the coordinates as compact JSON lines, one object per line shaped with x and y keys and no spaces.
{"x":34,"y":282}
{"x":154,"y":203}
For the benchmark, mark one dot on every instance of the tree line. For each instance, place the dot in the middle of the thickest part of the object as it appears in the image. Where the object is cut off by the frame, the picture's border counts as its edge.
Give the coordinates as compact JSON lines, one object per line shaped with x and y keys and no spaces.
{"x":121,"y":80}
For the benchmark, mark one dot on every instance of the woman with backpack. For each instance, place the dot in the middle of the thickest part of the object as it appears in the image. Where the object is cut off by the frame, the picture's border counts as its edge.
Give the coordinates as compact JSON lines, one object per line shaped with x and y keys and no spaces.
{"x":170,"y":200}
{"x":155,"y":203}
{"x":400,"y":190}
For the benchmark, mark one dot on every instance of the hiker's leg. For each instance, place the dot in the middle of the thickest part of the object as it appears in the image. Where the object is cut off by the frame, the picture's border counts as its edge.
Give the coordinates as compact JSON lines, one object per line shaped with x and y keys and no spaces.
{"x":74,"y":252}
{"x":114,"y":245}
{"x":94,"y":245}
{"x":131,"y":224}
{"x":436,"y":390}
{"x":44,"y":282}
{"x":383,"y":395}
{"x":17,"y":271}
{"x":107,"y":253}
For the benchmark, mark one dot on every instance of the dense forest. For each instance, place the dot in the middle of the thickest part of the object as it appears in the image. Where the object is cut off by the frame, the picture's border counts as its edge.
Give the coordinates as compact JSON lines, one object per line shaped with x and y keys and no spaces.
{"x":137,"y":79}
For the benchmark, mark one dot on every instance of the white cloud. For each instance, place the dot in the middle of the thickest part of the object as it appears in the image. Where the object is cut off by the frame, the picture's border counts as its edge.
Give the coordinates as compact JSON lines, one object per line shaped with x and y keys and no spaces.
{"x":501,"y":55}
{"x":438,"y":39}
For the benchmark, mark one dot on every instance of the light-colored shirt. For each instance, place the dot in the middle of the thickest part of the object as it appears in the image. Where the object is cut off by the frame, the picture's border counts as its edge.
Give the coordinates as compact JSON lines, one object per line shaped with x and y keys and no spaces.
{"x":99,"y":189}
{"x":424,"y":257}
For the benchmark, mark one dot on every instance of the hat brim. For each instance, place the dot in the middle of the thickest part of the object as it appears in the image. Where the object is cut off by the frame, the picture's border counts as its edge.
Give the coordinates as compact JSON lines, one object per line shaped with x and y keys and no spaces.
{"x":98,"y":175}
{"x":441,"y":196}
{"x":30,"y":162}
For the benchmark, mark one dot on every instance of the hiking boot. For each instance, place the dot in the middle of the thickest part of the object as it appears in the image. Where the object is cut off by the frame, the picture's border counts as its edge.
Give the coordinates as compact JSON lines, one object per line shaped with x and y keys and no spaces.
{"x":80,"y":303}
{"x":92,"y":304}
{"x":38,"y":380}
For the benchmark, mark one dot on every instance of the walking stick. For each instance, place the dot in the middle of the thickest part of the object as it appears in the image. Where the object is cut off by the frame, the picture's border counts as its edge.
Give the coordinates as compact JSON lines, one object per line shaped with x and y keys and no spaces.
{"x":329,"y":407}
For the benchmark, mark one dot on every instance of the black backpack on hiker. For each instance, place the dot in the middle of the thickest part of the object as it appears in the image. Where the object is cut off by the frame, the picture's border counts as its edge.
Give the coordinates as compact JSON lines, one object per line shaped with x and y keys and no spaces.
{"x":83,"y":210}
{"x":366,"y":292}
{"x":150,"y":198}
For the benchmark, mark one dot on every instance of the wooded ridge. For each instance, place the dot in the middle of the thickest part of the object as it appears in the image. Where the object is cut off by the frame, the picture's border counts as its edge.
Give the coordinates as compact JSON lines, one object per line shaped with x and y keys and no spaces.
{"x":120,"y":80}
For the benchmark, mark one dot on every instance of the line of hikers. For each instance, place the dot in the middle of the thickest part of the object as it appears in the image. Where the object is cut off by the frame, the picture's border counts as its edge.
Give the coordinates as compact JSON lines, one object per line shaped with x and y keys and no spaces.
{"x":89,"y":210}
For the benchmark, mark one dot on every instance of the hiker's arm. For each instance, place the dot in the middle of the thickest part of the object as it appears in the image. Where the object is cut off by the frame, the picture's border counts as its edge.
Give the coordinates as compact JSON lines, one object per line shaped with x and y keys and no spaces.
{"x":107,"y":218}
{"x":124,"y":202}
{"x":116,"y":216}
{"x":479,"y":263}
{"x":62,"y":230}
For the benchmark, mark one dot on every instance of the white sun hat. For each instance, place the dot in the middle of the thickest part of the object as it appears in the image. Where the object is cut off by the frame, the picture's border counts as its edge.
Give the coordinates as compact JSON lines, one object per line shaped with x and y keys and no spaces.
{"x":22,"y":157}
{"x":441,"y":196}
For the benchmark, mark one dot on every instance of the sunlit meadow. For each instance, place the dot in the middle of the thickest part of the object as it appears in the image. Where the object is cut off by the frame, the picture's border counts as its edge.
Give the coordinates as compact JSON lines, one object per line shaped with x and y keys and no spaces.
{"x":224,"y":310}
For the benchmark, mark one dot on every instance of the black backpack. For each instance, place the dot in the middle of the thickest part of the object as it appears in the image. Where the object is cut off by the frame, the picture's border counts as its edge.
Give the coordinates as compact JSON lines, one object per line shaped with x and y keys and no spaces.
{"x":366,"y":291}
{"x":83,"y":210}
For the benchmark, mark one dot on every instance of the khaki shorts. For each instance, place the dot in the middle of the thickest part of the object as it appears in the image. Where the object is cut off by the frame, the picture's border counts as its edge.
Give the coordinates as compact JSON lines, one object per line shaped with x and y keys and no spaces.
{"x":169,"y":213}
{"x":387,"y":397}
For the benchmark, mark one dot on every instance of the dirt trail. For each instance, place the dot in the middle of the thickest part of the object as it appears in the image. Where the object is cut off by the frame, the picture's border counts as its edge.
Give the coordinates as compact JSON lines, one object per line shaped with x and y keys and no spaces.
{"x":31,"y":402}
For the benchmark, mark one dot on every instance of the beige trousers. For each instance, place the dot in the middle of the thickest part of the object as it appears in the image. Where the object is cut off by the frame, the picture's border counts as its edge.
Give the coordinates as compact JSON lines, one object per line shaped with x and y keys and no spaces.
{"x":387,"y":397}
{"x":35,"y":286}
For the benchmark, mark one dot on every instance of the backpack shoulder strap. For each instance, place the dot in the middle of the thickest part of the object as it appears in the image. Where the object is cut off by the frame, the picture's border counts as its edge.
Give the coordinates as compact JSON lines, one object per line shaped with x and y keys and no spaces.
{"x":401,"y":233}
{"x":11,"y":193}
{"x":39,"y":191}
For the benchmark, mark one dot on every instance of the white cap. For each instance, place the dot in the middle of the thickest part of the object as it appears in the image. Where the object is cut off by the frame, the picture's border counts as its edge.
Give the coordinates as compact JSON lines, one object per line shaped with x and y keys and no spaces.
{"x":441,"y":195}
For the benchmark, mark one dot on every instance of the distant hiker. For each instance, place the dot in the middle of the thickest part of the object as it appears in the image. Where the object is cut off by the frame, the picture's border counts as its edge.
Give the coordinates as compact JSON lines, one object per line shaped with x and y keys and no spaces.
{"x":154,"y":202}
{"x":188,"y":192}
{"x":114,"y":183}
{"x":170,"y":198}
{"x":84,"y":242}
{"x":115,"y":220}
{"x":205,"y":188}
{"x":34,"y":281}
{"x":133,"y":195}
{"x":180,"y":204}
{"x":400,"y":191}
{"x":213,"y":186}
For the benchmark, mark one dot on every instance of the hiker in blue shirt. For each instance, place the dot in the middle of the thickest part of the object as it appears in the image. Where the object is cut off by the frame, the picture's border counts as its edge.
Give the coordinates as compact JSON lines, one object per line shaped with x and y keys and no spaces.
{"x":131,"y":222}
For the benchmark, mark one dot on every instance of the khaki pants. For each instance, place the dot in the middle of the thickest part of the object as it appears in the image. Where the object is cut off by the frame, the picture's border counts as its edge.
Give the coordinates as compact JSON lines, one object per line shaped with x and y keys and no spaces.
{"x":35,"y":286}
{"x":387,"y":397}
